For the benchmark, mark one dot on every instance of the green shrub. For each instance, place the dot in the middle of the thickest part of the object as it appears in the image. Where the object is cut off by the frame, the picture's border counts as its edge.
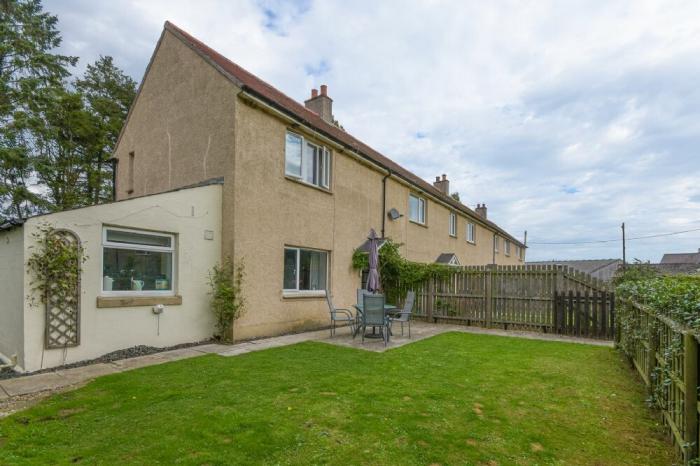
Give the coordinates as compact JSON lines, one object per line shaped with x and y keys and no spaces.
{"x":227,"y":301}
{"x":676,"y":297}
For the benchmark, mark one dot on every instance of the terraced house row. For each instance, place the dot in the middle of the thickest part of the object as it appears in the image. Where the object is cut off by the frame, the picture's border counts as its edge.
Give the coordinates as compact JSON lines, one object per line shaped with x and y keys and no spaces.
{"x":214,"y":162}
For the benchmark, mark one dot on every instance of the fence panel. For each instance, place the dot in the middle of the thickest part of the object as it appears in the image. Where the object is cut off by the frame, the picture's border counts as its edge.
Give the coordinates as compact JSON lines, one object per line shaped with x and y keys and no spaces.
{"x":666,"y":356}
{"x":520,"y":297}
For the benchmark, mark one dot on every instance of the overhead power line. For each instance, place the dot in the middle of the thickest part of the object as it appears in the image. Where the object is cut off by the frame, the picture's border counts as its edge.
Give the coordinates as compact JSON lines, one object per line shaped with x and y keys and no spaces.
{"x":659,"y":235}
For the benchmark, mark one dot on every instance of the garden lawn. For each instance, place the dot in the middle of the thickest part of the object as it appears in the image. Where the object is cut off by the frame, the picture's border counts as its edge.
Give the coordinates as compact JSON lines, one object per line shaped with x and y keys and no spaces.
{"x":452,"y":399}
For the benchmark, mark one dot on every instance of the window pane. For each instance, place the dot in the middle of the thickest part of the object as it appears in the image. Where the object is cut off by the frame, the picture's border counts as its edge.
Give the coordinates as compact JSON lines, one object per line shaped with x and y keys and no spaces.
{"x":142,"y":239}
{"x":413,"y":208}
{"x":421,"y":210}
{"x":312,"y":273}
{"x":292,"y":155}
{"x":308,"y":164}
{"x":290,"y":269}
{"x":129,"y":270}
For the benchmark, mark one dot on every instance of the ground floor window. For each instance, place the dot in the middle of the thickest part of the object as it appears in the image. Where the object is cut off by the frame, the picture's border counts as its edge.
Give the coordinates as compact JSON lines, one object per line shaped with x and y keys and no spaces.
{"x":137,"y":262}
{"x":305,"y":269}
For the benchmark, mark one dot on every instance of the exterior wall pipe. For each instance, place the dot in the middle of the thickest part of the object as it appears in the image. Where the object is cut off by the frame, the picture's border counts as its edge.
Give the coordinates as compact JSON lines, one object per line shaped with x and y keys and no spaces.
{"x":384,"y":202}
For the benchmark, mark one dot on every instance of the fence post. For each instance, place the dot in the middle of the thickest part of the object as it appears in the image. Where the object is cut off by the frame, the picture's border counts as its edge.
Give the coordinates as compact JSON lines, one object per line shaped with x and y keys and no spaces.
{"x":690,"y":405}
{"x":488,"y":295}
{"x":431,"y":299}
{"x":651,"y":352}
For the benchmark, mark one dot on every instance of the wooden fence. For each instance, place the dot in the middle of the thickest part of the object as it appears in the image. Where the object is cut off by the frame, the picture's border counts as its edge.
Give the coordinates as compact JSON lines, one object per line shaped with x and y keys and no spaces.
{"x":519,"y":297}
{"x":666,"y":356}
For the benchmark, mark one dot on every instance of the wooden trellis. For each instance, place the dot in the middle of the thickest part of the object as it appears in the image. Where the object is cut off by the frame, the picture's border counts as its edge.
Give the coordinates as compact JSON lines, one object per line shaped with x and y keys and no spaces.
{"x":62,"y":318}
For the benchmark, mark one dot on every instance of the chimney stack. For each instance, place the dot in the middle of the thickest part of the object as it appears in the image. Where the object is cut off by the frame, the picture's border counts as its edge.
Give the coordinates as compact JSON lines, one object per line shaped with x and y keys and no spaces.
{"x":481,"y":210}
{"x":442,"y":184}
{"x":321,"y":104}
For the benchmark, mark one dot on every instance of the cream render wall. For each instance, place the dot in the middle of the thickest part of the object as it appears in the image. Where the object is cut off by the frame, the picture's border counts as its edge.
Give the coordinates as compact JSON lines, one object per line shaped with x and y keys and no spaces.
{"x":11,"y":293}
{"x":186,"y":213}
{"x":180,"y":128}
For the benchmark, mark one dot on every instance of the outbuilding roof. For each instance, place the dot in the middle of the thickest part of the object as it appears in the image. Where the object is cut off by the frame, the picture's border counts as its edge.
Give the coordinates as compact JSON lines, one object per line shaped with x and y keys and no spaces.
{"x":254,"y":85}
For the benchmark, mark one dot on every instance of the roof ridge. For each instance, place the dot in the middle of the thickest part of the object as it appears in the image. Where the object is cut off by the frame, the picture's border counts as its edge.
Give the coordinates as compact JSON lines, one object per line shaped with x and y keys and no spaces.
{"x":250,"y":82}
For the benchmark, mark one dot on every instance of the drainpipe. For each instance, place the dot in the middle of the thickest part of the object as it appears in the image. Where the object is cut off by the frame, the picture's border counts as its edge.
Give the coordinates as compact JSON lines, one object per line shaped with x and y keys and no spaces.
{"x":114,"y":161}
{"x":384,"y":200}
{"x":12,"y":362}
{"x":493,"y":249}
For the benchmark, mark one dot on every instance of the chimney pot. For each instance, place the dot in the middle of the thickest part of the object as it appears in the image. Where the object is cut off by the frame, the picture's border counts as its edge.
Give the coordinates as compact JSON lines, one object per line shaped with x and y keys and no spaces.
{"x":321,"y":104}
{"x":481,"y":210}
{"x":442,"y":184}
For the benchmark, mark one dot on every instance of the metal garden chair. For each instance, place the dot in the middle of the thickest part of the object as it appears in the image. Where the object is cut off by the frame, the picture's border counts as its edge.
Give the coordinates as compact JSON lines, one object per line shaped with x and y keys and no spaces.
{"x":339,"y":315}
{"x":404,"y":315}
{"x":373,"y":315}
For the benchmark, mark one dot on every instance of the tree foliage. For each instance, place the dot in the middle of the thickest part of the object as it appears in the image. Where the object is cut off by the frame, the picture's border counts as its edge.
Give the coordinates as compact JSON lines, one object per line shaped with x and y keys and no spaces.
{"x":56,"y":135}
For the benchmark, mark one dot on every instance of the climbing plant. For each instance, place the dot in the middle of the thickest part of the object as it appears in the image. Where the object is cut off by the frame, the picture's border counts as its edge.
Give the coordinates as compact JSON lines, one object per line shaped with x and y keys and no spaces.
{"x":55,"y":266}
{"x":227,"y":301}
{"x":397,"y":273}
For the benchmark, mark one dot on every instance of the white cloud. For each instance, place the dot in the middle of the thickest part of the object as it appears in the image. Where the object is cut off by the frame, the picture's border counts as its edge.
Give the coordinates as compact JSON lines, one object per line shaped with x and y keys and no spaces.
{"x":565,"y":118}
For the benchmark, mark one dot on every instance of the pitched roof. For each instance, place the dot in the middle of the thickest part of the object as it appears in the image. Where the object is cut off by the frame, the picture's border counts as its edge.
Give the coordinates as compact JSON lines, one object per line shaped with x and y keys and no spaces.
{"x":251,"y":83}
{"x":682,"y":258}
{"x":599,"y":268}
{"x":447,"y":258}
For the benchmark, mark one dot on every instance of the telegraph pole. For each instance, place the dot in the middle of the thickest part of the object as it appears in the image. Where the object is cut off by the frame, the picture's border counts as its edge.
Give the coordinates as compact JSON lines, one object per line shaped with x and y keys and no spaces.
{"x":624,"y":252}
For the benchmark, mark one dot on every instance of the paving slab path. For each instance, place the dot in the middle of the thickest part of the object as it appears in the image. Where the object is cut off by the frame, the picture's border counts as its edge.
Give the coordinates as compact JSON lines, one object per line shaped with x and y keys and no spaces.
{"x":31,"y":387}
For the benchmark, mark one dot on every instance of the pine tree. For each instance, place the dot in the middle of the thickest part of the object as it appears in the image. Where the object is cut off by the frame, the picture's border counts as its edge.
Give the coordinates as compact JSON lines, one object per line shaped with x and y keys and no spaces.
{"x":108,"y":94}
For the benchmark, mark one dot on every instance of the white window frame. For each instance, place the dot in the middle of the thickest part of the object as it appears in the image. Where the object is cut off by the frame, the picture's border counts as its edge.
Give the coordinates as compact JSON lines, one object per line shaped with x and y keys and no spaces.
{"x":496,"y":240}
{"x":296,"y":291}
{"x":323,"y":171}
{"x":421,"y":209}
{"x":136,"y":247}
{"x":506,"y":247}
{"x":453,"y":224}
{"x":471,"y":233}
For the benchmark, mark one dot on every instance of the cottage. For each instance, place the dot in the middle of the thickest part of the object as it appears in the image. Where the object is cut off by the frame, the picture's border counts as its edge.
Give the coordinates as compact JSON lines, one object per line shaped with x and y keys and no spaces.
{"x":213,"y":162}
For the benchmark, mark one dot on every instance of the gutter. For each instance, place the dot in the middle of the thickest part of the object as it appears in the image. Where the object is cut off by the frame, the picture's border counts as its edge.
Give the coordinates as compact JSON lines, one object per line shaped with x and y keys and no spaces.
{"x":247,"y":95}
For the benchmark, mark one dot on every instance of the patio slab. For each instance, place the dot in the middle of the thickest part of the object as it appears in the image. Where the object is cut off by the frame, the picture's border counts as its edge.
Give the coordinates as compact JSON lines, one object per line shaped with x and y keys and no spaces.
{"x":86,"y":373}
{"x":33,"y":384}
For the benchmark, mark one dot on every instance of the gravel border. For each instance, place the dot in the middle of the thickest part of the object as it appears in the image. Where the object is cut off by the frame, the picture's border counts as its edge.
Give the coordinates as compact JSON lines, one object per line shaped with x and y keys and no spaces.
{"x":133,"y":352}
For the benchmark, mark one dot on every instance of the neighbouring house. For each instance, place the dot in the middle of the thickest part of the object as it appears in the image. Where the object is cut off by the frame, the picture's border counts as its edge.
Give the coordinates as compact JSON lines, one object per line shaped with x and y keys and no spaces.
{"x":681,"y":258}
{"x":213,"y":162}
{"x":602,"y":269}
{"x":679,"y":263}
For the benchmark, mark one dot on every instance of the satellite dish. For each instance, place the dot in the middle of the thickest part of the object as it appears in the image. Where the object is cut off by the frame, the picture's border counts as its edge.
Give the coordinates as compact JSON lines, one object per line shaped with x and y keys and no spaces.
{"x":394,"y":214}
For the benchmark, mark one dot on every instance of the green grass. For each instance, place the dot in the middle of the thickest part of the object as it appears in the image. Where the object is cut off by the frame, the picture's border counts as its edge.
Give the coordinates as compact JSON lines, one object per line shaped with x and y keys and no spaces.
{"x":452,"y":399}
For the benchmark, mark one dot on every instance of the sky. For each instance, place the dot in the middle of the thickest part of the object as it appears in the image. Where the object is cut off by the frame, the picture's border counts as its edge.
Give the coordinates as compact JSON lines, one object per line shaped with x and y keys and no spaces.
{"x":566,"y":118}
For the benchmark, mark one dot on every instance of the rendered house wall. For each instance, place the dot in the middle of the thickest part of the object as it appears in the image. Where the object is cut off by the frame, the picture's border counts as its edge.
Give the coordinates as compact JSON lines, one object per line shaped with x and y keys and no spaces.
{"x":188,"y":214}
{"x":11,"y":293}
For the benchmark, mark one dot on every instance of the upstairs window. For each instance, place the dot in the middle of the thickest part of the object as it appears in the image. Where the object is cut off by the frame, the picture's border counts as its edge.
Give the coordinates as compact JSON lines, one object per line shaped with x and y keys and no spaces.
{"x":471,"y":233}
{"x":308,"y":162}
{"x":507,"y":247}
{"x":496,"y":241}
{"x":453,"y":224}
{"x":137,"y":262}
{"x":416,"y":209}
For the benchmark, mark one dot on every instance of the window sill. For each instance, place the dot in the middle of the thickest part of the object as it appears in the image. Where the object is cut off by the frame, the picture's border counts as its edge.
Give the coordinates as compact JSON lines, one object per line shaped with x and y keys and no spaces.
{"x":453,"y":236}
{"x":136,"y":301}
{"x":473,"y":243}
{"x":303,"y":294}
{"x":308,"y":185}
{"x":418,"y":223}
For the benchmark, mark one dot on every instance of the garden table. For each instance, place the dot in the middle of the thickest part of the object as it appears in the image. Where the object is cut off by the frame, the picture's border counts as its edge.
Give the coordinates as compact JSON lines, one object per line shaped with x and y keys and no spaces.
{"x":388,"y":309}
